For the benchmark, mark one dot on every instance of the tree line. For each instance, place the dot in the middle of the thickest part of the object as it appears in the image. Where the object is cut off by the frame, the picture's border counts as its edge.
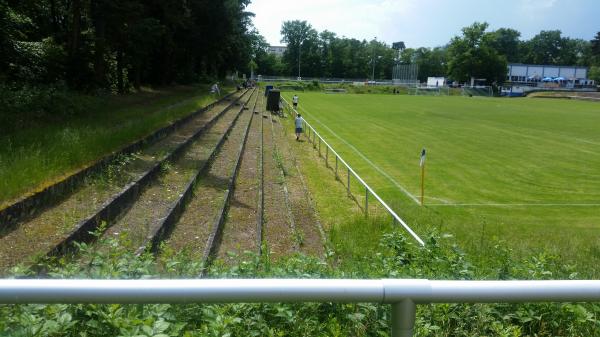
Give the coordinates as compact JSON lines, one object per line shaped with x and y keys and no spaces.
{"x":476,"y":52}
{"x":117,"y":45}
{"x":122,"y":44}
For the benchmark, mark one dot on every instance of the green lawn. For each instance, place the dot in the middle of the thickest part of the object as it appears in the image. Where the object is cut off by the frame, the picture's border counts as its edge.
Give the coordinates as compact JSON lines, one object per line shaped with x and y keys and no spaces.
{"x":525,"y":171}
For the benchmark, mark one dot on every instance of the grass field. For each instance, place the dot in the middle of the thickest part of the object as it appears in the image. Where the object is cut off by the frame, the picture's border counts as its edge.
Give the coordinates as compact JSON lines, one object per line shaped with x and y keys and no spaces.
{"x":523,"y":172}
{"x":45,"y":152}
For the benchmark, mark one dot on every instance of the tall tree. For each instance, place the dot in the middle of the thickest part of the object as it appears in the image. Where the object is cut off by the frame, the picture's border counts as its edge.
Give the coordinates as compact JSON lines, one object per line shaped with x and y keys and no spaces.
{"x":595,"y":49}
{"x":469,"y":56}
{"x":300,"y":37}
{"x":506,"y":42}
{"x":431,"y":61}
{"x":595,"y":58}
{"x":98,"y":13}
{"x":550,"y":47}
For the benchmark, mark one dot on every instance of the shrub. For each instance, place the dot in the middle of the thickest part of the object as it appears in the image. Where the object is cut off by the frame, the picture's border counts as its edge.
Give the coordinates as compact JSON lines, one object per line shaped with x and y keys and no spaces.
{"x":24,"y":105}
{"x":395,"y":257}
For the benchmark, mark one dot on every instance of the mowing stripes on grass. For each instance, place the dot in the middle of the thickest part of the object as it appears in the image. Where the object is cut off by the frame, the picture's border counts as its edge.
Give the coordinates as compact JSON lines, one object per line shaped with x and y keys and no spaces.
{"x":365,"y":158}
{"x":519,"y":170}
{"x":516,"y":205}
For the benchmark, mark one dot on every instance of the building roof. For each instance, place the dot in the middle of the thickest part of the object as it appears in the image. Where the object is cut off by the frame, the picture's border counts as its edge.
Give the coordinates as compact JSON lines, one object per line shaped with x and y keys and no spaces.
{"x":545,"y":65}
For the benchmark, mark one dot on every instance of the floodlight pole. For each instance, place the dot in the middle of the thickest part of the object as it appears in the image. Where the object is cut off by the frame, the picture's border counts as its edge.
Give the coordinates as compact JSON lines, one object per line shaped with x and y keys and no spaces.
{"x":373,"y":60}
{"x":299,"y":51}
{"x":373,"y":73}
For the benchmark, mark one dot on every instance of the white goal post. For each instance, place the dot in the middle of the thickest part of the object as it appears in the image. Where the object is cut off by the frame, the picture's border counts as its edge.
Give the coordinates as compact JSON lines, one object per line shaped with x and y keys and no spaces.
{"x":477,"y":90}
{"x":429,"y":91}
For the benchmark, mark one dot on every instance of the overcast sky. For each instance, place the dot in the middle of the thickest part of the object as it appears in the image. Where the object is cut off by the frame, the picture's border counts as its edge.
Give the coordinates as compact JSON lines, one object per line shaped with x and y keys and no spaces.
{"x":427,"y":23}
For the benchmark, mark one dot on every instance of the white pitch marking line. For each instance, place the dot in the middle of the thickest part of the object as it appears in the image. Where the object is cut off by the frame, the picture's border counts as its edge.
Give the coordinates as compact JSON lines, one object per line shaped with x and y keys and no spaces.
{"x":517,"y":205}
{"x":385,"y":174}
{"x":539,"y":139}
{"x":444,"y":201}
{"x":414,"y":198}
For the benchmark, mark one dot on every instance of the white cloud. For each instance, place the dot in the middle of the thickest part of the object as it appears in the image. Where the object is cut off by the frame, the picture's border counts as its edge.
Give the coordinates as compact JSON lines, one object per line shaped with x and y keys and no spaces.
{"x":426,"y":22}
{"x":352,"y":18}
{"x":537,"y":4}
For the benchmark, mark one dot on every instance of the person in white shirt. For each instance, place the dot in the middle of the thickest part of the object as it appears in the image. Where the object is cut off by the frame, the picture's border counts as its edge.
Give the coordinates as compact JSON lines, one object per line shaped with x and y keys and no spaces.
{"x":295,"y":101}
{"x":215,"y":89}
{"x":298,"y":123}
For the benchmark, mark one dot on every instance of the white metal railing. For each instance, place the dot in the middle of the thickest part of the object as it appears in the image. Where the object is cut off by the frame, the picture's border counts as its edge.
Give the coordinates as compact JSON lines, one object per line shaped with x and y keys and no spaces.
{"x":403,"y":294}
{"x":368,"y":190}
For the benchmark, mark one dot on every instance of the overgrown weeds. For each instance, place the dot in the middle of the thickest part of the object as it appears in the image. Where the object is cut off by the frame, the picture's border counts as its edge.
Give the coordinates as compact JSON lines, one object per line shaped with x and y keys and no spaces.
{"x":47,"y":134}
{"x":393,"y":256}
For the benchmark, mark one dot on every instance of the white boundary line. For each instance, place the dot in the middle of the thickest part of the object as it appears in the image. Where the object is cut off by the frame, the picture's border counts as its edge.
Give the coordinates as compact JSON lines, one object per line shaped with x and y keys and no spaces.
{"x":414,"y":198}
{"x":515,"y":205}
{"x":385,"y":174}
{"x":367,"y":187}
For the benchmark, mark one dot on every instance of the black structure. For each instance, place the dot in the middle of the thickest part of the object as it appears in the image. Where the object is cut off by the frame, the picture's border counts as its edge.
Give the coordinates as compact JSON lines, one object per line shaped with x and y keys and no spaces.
{"x":273,"y":100}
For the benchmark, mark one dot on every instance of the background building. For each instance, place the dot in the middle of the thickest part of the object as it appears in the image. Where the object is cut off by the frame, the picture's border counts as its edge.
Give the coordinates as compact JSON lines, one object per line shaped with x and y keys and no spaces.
{"x":547,"y":75}
{"x":277,"y":50}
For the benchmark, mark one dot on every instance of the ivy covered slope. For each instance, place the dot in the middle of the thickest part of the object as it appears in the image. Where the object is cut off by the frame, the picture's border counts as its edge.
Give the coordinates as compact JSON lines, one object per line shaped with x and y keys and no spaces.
{"x":393,"y":256}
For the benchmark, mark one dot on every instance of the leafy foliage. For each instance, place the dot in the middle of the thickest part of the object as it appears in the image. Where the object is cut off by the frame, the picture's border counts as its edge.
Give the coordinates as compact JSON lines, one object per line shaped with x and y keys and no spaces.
{"x":477,"y":53}
{"x":114,"y":45}
{"x":325,"y":54}
{"x":394,"y":257}
{"x":472,"y":56}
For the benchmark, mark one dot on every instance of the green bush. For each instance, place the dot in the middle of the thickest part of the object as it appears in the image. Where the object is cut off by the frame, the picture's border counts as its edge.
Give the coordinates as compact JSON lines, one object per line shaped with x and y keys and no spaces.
{"x":25,"y":105}
{"x":394,"y":257}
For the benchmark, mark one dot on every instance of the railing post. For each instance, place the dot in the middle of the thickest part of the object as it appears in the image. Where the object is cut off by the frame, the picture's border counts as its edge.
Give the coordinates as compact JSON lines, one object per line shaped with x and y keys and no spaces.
{"x":348,"y":181}
{"x":319,"y":146}
{"x":403,"y":318}
{"x":327,"y":156}
{"x":336,"y":167}
{"x":366,"y":201}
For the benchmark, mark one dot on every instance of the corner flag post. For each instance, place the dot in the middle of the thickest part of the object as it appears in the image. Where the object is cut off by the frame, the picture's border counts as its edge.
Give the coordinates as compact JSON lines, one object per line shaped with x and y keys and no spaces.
{"x":422,"y":164}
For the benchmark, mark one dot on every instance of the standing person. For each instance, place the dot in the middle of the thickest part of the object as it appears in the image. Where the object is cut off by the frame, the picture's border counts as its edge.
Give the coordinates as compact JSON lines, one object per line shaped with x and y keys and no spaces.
{"x":298,"y":123}
{"x":215,"y":89}
{"x":295,"y":101}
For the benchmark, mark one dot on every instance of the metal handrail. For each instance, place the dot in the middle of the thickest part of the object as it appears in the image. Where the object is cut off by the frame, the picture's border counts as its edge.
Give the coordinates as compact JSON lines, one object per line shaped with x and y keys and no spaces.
{"x":403,"y":294}
{"x":366,"y":186}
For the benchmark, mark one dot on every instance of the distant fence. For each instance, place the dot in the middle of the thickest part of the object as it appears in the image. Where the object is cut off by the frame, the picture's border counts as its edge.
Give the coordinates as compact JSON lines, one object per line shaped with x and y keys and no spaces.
{"x":324,"y":80}
{"x":403,"y":294}
{"x":315,"y":138}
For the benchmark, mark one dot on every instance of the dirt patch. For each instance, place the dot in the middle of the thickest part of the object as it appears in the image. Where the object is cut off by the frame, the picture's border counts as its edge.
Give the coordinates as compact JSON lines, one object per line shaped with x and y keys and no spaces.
{"x":585,"y":96}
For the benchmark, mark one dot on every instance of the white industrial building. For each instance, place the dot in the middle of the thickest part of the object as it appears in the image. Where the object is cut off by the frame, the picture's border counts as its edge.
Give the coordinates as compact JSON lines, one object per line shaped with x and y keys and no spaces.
{"x":529,"y":73}
{"x":277,"y":50}
{"x":524,"y":78}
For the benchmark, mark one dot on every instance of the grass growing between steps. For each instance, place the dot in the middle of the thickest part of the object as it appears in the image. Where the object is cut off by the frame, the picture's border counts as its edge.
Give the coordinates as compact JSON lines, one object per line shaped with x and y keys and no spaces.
{"x":41,"y":152}
{"x":361,"y":248}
